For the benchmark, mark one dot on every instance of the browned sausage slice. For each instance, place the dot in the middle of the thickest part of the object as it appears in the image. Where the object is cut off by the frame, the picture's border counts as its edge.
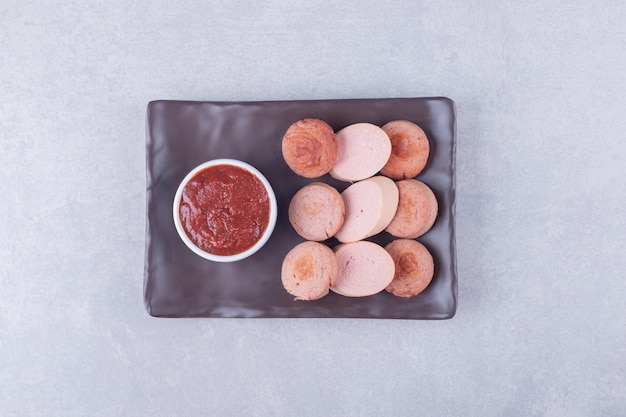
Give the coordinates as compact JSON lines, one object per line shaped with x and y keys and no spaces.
{"x":414,"y":267}
{"x":364,"y":149}
{"x":317,"y":211}
{"x":365,"y":268}
{"x":309,"y":270}
{"x":409,"y":150}
{"x":417,"y":210}
{"x":310,"y":148}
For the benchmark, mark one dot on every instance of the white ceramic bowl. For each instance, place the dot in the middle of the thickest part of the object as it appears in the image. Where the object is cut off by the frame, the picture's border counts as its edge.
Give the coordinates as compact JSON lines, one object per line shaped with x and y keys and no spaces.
{"x":264,"y":237}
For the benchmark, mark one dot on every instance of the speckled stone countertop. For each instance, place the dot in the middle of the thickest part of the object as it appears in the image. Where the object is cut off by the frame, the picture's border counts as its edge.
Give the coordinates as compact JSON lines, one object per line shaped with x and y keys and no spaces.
{"x":540,"y":94}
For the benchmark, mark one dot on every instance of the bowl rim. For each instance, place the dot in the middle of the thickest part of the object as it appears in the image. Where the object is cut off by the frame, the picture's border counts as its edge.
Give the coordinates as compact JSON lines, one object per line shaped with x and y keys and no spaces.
{"x":264,"y":237}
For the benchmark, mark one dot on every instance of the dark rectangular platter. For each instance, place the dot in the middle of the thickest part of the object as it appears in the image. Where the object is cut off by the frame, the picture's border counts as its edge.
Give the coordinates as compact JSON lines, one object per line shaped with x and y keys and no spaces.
{"x":183,"y":134}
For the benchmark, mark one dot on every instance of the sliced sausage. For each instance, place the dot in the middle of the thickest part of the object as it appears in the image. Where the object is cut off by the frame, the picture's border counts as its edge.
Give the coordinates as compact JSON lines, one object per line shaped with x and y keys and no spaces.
{"x":310,"y":148}
{"x":317,"y":211}
{"x":370,"y":206}
{"x":365,"y":268}
{"x":364,"y":149}
{"x":417,"y":210}
{"x":409,"y":150}
{"x":414,"y":267}
{"x":309,"y":270}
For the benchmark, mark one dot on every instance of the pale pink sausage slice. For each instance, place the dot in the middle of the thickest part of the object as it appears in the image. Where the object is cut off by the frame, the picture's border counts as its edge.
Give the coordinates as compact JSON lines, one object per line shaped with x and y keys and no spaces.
{"x":365,"y":268}
{"x":370,"y":206}
{"x":409,"y":150}
{"x":317,"y":211}
{"x":417,"y":210}
{"x":414,"y":267}
{"x":363,"y":149}
{"x":309,"y":270}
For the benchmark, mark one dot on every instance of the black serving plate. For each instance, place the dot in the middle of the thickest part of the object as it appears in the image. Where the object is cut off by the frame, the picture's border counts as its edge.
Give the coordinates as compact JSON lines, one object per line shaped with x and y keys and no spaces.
{"x":181,"y":135}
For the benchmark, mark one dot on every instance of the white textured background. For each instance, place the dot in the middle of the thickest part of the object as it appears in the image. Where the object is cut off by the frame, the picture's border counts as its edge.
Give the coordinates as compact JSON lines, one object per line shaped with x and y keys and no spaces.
{"x":540,"y":89}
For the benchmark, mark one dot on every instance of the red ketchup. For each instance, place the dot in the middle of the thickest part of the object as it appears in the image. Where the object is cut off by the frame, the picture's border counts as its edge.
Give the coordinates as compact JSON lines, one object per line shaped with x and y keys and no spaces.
{"x":224,"y":210}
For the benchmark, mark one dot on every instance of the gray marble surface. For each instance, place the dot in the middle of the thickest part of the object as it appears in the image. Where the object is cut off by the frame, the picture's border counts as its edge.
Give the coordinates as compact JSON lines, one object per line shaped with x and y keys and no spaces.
{"x":540,"y":89}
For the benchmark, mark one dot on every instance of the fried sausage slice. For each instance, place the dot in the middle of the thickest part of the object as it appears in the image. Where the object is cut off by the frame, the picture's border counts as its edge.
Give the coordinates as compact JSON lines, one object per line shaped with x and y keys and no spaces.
{"x":310,"y":148}
{"x":417,"y":210}
{"x":414,"y":267}
{"x":409,"y":150}
{"x":317,"y":211}
{"x":308,"y":270}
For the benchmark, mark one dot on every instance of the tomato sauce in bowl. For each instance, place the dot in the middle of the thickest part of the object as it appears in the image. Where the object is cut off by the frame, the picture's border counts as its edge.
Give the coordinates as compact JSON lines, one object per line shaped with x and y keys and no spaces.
{"x":225,"y":210}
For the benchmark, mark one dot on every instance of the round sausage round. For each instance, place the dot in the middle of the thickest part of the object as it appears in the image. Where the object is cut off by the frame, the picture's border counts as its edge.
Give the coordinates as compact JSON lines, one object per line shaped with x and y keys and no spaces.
{"x":363,"y":149}
{"x":365,"y":268}
{"x":309,"y":270}
{"x":310,"y":148}
{"x":409,"y":150}
{"x":414,"y":267}
{"x":370,"y":206}
{"x":317,"y":211}
{"x":417,"y":210}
